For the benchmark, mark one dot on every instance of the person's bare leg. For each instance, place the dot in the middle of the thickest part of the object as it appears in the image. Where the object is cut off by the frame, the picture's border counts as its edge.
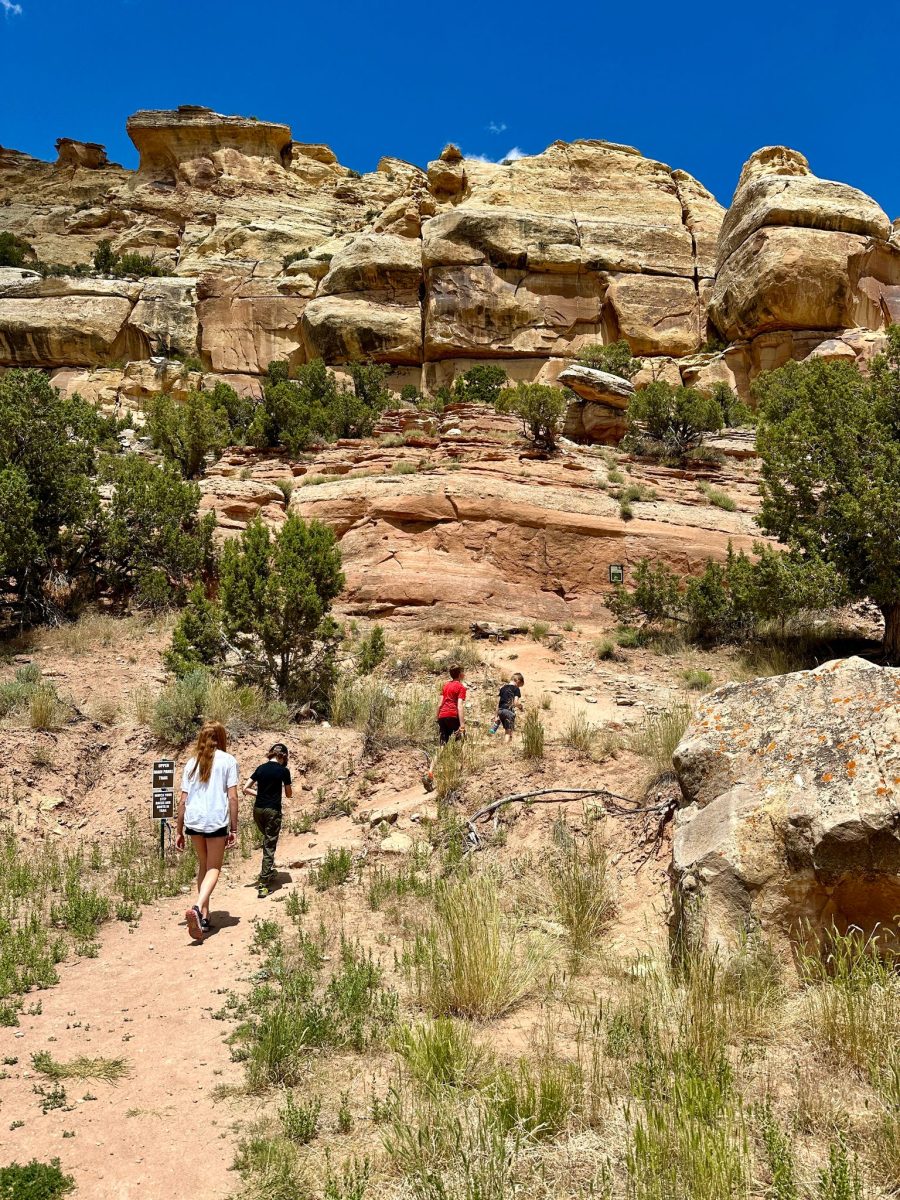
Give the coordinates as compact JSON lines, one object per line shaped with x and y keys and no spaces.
{"x":200,"y":851}
{"x":215,"y":854}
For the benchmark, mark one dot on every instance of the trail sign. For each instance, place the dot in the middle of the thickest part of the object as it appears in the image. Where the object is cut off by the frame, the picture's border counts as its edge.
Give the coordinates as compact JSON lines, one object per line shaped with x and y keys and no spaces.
{"x":163,"y":803}
{"x":616,"y":573}
{"x":164,"y":773}
{"x":162,"y":797}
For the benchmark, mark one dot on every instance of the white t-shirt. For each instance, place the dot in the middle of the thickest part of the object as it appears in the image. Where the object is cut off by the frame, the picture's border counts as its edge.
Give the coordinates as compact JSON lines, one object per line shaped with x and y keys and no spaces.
{"x":207,"y":803}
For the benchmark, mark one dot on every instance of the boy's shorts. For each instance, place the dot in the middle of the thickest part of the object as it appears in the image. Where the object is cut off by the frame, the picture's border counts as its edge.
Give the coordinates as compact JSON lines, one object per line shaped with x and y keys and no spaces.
{"x":507,"y":719}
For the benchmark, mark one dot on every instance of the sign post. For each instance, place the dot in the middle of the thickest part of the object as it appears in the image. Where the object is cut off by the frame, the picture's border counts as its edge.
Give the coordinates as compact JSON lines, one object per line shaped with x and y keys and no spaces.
{"x":162,"y":806}
{"x":616,"y":573}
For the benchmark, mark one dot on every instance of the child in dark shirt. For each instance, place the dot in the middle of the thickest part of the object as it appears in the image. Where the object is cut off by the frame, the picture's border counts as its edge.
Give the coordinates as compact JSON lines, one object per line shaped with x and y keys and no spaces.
{"x":509,"y":701}
{"x":266,"y":783}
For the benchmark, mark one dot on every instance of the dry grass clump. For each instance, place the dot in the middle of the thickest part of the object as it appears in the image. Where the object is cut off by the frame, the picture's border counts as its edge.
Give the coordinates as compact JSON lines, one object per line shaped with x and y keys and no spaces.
{"x":657,"y":739}
{"x":853,"y":1000}
{"x":472,"y":961}
{"x":579,"y":734}
{"x":532,"y":736}
{"x":109,"y":1070}
{"x":581,"y":887}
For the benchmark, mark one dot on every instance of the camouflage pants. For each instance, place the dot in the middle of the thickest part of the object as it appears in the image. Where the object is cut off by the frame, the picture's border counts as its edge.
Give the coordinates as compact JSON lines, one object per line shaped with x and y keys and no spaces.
{"x":268,"y":822}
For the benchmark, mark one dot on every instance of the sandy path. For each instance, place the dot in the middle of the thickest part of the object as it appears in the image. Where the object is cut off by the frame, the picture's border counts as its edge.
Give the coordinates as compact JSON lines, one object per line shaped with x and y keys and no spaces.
{"x":149,"y":996}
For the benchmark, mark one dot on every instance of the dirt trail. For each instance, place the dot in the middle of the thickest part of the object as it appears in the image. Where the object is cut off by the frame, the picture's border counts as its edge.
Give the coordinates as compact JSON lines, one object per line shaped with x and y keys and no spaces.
{"x":149,"y":996}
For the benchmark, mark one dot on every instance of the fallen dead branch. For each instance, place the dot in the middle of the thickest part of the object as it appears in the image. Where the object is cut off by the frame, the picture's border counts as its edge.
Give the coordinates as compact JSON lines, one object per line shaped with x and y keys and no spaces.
{"x":616,"y":805}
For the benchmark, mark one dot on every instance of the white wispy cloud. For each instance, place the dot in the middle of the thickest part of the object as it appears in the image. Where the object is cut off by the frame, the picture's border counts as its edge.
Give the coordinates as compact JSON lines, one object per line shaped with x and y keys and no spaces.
{"x":509,"y":156}
{"x":496,"y":127}
{"x":10,"y":9}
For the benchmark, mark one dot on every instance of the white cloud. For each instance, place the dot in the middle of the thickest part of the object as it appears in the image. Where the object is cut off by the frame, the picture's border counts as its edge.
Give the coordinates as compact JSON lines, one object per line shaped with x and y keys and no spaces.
{"x":496,"y":127}
{"x":11,"y":9}
{"x":509,"y":156}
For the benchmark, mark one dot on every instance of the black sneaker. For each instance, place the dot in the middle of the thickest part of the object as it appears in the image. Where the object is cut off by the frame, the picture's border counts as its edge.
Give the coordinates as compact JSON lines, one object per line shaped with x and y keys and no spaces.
{"x":205,"y":924}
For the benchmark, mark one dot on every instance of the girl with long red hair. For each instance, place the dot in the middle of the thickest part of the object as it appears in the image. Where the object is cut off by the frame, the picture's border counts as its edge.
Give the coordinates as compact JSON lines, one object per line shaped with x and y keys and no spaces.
{"x":208,"y":812}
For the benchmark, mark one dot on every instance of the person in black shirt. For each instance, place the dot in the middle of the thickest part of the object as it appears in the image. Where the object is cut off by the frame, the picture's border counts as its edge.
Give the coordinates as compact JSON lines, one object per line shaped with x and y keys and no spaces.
{"x":510,"y":700}
{"x":266,"y":783}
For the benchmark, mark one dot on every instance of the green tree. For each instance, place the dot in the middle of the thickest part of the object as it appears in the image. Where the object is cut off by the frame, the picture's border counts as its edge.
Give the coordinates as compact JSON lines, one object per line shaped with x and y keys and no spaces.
{"x":197,"y":639}
{"x":829,"y":440}
{"x":275,"y":595}
{"x":48,"y":496}
{"x":104,"y":257}
{"x":479,"y":385}
{"x":656,"y":594}
{"x":190,"y":431}
{"x":294,"y":413}
{"x":734,"y":411}
{"x":615,"y":358}
{"x":372,"y":651}
{"x":239,"y":410}
{"x":670,"y":421}
{"x":540,"y":408}
{"x":155,"y":542}
{"x":14,"y":251}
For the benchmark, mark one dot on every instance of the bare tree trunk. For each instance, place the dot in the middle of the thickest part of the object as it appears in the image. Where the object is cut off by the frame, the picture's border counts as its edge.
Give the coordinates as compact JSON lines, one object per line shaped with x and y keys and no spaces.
{"x":891,"y":643}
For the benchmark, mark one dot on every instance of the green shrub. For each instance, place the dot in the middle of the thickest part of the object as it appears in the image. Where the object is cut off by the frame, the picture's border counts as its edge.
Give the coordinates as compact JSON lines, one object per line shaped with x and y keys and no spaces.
{"x":14,"y":250}
{"x":34,"y":1181}
{"x":197,"y":639}
{"x":155,"y":543}
{"x":52,"y":518}
{"x":829,"y":441}
{"x":313,"y":407}
{"x":541,"y":410}
{"x":667,"y":422}
{"x":605,"y":649}
{"x":178,"y":709}
{"x":334,"y":869}
{"x":371,"y":651}
{"x":479,"y":385}
{"x":696,"y":679}
{"x":441,"y":1053}
{"x":717,"y":498}
{"x":188,"y":432}
{"x":615,"y":358}
{"x":275,"y":593}
{"x":300,"y":1118}
{"x":582,"y":891}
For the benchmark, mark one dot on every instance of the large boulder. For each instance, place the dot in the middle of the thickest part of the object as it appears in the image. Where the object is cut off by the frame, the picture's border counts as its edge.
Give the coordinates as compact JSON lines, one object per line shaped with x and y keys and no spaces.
{"x":247,"y":323}
{"x":195,"y":144}
{"x":798,"y":252}
{"x":62,"y":322}
{"x":597,"y":412}
{"x":791,"y":817}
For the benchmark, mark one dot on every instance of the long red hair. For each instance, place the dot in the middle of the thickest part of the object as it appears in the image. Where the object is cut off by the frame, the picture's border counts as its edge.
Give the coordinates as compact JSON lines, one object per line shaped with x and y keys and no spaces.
{"x":212,"y":737}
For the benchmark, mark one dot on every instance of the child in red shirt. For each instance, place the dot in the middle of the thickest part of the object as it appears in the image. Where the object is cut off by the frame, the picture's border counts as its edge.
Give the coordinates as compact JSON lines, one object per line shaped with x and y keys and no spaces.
{"x":451,"y":716}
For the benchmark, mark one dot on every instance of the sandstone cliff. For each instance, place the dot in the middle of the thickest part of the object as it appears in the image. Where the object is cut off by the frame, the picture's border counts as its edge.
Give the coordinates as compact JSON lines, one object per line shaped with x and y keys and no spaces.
{"x":272,"y":249}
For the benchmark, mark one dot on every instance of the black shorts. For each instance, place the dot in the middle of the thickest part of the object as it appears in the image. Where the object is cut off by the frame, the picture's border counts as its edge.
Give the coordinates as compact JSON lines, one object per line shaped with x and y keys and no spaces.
{"x":449,"y":727}
{"x":507,"y":718}
{"x":216,"y":833}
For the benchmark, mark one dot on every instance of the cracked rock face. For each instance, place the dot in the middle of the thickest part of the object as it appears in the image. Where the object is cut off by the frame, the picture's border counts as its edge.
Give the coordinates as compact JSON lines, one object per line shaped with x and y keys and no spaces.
{"x":791,"y":817}
{"x":282,"y":252}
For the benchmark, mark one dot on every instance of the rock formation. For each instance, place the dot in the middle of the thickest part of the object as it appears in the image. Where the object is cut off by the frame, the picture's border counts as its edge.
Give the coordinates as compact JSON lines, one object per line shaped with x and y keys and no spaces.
{"x":271,"y":249}
{"x":792,"y":804}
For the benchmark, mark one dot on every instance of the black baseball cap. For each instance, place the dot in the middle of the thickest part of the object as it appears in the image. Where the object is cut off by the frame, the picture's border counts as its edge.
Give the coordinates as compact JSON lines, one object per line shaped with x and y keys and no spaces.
{"x":279,"y":749}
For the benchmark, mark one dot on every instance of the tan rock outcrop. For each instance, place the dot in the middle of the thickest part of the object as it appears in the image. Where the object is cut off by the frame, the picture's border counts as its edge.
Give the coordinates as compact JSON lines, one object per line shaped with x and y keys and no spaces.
{"x":596,"y":413}
{"x":798,"y":252}
{"x":166,"y":314}
{"x":89,"y":155}
{"x":236,"y":502}
{"x":195,"y":144}
{"x":68,"y":322}
{"x":343,"y":329}
{"x":792,"y":804}
{"x":245,"y":324}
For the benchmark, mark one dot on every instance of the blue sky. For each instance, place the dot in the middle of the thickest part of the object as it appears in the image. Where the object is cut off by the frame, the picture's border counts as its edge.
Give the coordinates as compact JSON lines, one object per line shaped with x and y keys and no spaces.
{"x":699,"y":86}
